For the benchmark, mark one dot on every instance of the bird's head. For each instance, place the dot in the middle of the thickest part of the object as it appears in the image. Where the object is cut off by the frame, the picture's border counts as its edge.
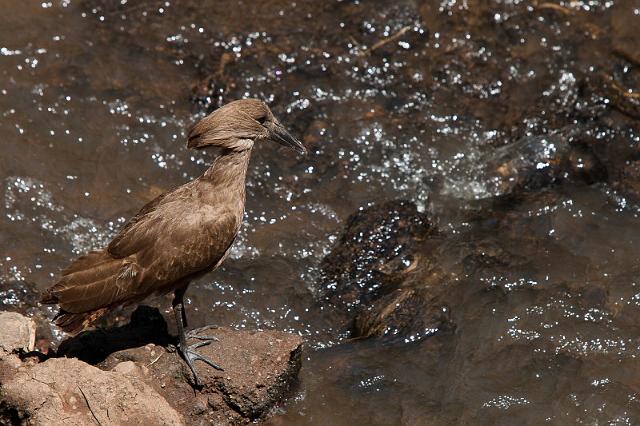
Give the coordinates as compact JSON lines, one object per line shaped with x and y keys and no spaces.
{"x":238,"y":125}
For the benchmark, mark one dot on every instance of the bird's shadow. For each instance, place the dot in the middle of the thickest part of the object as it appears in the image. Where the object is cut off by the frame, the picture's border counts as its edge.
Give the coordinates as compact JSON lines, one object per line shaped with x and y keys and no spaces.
{"x":147,"y":325}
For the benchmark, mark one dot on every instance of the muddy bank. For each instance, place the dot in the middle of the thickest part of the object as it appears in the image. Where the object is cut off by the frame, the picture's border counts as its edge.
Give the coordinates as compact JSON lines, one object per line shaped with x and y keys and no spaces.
{"x":130,"y":382}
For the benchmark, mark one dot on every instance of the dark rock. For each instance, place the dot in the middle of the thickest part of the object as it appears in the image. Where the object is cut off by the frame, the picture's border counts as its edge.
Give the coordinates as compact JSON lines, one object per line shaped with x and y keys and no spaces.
{"x":354,"y":271}
{"x":626,"y":37}
{"x":629,"y":181}
{"x":406,"y":313}
{"x":385,"y":275}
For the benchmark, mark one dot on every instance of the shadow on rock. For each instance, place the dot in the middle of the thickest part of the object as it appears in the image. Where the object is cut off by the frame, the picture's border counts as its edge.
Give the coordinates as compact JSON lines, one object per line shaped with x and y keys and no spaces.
{"x":146,"y":326}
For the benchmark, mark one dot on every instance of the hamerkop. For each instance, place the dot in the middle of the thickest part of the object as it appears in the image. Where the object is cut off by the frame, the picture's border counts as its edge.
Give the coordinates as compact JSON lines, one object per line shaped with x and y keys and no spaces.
{"x":177,"y":237}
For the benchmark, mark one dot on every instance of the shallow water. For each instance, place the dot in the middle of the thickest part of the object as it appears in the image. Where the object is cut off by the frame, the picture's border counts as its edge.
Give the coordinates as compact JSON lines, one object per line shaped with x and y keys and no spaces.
{"x":468,"y":109}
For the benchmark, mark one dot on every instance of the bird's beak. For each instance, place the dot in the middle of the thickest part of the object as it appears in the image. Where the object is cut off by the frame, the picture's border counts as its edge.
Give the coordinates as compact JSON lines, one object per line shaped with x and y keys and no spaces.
{"x":279,"y":134}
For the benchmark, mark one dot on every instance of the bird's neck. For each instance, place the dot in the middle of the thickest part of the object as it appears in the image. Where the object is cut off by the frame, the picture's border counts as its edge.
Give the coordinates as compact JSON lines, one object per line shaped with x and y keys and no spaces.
{"x":229,"y":169}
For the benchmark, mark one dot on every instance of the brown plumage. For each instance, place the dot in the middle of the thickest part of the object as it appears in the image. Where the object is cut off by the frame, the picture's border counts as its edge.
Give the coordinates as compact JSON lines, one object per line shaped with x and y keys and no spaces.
{"x":178,"y":236}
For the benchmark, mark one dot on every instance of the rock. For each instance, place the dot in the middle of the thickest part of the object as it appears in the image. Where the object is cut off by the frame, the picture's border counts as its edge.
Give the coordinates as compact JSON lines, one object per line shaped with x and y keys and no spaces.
{"x":375,"y":239}
{"x":615,"y":93}
{"x":382,"y":270}
{"x":71,"y":392}
{"x":410,"y":314}
{"x":23,"y":297}
{"x":629,"y":181}
{"x":146,"y":326}
{"x":259,"y":368}
{"x":370,"y":260}
{"x":625,"y":38}
{"x":17,"y":332}
{"x":147,"y":384}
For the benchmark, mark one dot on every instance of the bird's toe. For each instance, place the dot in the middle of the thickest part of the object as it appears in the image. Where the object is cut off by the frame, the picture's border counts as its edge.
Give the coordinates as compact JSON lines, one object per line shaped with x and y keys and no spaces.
{"x":190,"y":355}
{"x":195,"y":334}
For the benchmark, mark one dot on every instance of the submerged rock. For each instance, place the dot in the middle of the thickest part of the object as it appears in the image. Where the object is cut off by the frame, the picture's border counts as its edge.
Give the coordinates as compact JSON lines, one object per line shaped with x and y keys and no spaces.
{"x":629,"y":182}
{"x":374,"y":242}
{"x":146,"y":384}
{"x":407,"y":312}
{"x":383,"y":285}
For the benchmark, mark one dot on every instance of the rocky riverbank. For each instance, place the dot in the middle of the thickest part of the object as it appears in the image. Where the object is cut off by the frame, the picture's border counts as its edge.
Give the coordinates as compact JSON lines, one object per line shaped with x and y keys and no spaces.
{"x":113,"y":377}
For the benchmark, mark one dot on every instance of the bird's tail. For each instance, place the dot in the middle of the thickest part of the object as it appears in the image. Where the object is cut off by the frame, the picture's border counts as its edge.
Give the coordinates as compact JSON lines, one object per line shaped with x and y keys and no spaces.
{"x":74,"y":323}
{"x":90,"y":286}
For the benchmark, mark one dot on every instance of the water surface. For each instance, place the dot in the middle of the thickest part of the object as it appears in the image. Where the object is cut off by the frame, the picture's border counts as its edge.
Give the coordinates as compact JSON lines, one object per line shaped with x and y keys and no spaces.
{"x":471,"y":110}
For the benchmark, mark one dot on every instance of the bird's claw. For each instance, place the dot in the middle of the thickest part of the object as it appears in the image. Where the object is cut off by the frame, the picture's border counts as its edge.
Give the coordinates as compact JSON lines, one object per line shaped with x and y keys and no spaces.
{"x":200,"y":329}
{"x":190,"y":355}
{"x":194,"y":334}
{"x":209,"y":339}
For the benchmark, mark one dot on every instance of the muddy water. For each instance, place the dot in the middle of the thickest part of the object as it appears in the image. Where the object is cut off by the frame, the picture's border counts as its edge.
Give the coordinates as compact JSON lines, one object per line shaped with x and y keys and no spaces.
{"x":511,"y":126}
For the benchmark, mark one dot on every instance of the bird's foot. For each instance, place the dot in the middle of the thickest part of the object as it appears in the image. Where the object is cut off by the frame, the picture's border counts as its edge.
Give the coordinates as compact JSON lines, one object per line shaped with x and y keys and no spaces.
{"x":190,"y":356}
{"x":195,"y":334}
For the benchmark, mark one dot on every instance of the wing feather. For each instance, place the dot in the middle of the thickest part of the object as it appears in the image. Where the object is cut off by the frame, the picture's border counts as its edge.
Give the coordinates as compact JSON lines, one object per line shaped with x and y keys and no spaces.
{"x":172,"y":238}
{"x":120,"y":246}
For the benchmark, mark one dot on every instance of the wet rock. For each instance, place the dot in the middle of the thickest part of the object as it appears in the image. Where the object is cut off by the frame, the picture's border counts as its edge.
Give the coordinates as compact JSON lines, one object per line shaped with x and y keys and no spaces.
{"x":629,"y":181}
{"x":17,"y":332}
{"x":410,"y":314}
{"x":355,"y":269}
{"x":626,"y":38}
{"x":147,"y":384}
{"x":615,"y":93}
{"x":413,"y":291}
{"x":585,"y":165}
{"x":538,"y":161}
{"x":384,"y":273}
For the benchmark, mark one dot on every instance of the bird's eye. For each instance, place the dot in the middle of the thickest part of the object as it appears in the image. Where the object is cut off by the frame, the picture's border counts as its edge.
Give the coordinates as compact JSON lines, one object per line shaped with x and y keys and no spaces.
{"x":262,"y":119}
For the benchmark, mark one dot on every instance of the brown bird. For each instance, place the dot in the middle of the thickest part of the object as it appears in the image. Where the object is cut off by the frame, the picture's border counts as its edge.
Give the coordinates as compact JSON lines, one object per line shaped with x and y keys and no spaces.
{"x":177,"y":237}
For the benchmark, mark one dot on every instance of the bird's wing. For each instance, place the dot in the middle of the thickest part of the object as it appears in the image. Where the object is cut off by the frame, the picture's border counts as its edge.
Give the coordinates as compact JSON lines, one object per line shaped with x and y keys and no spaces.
{"x":195,"y":242}
{"x":176,"y":236}
{"x":159,"y":249}
{"x":120,"y":246}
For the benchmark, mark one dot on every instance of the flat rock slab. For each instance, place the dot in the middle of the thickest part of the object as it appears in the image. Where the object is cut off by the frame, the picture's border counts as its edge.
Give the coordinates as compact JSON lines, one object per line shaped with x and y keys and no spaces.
{"x":259,"y":369}
{"x":66,"y":391}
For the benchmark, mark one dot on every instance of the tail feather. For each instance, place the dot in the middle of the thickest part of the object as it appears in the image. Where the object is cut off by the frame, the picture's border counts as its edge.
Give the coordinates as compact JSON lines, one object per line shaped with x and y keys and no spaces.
{"x":98,"y":272}
{"x":89,"y":287}
{"x":88,"y":296}
{"x":74,"y":323}
{"x":87,"y":261}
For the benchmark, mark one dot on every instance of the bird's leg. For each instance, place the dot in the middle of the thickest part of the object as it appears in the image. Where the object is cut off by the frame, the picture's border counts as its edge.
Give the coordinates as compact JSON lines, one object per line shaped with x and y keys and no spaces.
{"x":188,"y":352}
{"x":185,"y":324}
